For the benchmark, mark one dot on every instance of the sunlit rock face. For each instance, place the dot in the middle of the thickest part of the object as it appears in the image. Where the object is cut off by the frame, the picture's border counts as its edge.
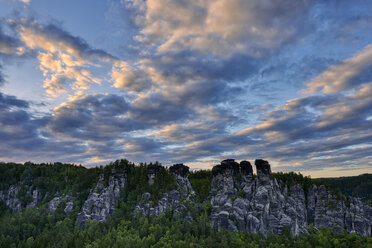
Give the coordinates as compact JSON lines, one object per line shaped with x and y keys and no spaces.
{"x":175,"y":200}
{"x":103,"y":198}
{"x":241,"y":202}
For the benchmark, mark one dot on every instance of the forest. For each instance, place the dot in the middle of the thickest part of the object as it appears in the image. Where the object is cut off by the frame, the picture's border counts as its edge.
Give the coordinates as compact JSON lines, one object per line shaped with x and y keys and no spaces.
{"x":36,"y":227}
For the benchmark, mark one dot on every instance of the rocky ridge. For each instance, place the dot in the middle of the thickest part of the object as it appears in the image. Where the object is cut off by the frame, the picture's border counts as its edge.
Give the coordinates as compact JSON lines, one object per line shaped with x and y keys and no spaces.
{"x":241,"y":202}
{"x":102,"y":199}
{"x":57,"y":200}
{"x":174,"y":200}
{"x":12,"y":201}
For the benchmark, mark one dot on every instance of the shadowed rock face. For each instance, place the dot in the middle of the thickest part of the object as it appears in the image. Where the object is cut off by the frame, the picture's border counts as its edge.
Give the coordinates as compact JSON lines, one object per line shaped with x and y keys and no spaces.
{"x":152,"y":169}
{"x":175,"y":199}
{"x":244,"y":203}
{"x":179,"y":169}
{"x":263,"y":167}
{"x":246,"y":168}
{"x":227,"y":164}
{"x":102,"y":199}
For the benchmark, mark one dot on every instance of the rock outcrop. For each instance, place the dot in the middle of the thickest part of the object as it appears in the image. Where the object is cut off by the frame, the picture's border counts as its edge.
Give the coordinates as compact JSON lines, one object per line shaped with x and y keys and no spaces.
{"x":103,"y":198}
{"x":12,"y":201}
{"x":326,"y":209}
{"x":240,"y":202}
{"x":175,"y":200}
{"x":56,"y":201}
{"x":10,"y":198}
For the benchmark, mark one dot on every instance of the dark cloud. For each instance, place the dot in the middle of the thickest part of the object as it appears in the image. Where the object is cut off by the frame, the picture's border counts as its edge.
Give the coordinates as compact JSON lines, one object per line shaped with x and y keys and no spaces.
{"x":21,"y":138}
{"x":155,"y":109}
{"x":8,"y":45}
{"x":2,"y":80}
{"x":9,"y":48}
{"x":7,"y":102}
{"x":93,"y":117}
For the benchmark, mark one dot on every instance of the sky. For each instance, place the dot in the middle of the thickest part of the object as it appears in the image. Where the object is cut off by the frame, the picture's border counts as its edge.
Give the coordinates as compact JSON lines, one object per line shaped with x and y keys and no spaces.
{"x":188,"y":81}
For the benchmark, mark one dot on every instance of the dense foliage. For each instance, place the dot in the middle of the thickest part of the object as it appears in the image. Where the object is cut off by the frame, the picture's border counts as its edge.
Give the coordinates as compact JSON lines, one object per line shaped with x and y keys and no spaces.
{"x":359,"y":186}
{"x":49,"y":179}
{"x":201,"y":183}
{"x":290,"y":178}
{"x":35,"y":227}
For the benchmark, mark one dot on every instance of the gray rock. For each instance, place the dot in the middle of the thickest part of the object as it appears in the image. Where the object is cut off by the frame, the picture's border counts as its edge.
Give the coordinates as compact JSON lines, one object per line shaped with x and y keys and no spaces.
{"x":54,"y":203}
{"x":10,"y":198}
{"x":240,"y":202}
{"x":174,"y":200}
{"x":102,"y":199}
{"x":35,"y":199}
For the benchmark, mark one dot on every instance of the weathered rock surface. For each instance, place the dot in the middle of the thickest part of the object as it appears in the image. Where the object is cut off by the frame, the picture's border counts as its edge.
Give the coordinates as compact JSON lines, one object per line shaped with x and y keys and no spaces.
{"x":175,"y":200}
{"x":36,"y":197}
{"x":240,"y":202}
{"x":11,"y":200}
{"x":56,"y":201}
{"x":102,"y":199}
{"x":325,"y":209}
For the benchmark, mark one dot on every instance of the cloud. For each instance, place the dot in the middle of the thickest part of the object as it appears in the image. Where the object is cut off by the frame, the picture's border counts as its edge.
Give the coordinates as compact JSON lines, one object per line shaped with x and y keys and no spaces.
{"x":92,"y":118}
{"x":314,"y":128}
{"x":190,"y":131}
{"x":221,"y":27}
{"x":130,"y":79}
{"x":9,"y":45}
{"x":65,"y":60}
{"x":7,"y":102}
{"x":155,"y":109}
{"x":25,"y":1}
{"x":22,"y":137}
{"x":345,"y":75}
{"x":10,"y":48}
{"x":54,"y":39}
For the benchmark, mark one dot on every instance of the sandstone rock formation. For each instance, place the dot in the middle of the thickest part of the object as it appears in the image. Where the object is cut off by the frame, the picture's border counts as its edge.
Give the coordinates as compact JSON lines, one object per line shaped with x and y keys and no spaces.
{"x":10,"y":197}
{"x":56,"y":201}
{"x":240,"y":202}
{"x":174,"y":200}
{"x":102,"y":199}
{"x":11,"y":200}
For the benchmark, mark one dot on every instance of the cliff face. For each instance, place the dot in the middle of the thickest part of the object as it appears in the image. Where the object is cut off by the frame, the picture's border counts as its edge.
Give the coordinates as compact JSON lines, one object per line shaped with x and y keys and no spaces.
{"x":103,"y":198}
{"x":255,"y":205}
{"x":175,"y":200}
{"x":12,"y":201}
{"x":240,"y":202}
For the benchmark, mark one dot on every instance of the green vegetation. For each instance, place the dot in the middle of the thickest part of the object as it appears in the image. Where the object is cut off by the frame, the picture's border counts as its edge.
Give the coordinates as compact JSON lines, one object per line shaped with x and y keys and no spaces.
{"x":49,"y":179}
{"x":290,"y":178}
{"x":35,"y":227}
{"x":357,"y":186}
{"x":201,"y":183}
